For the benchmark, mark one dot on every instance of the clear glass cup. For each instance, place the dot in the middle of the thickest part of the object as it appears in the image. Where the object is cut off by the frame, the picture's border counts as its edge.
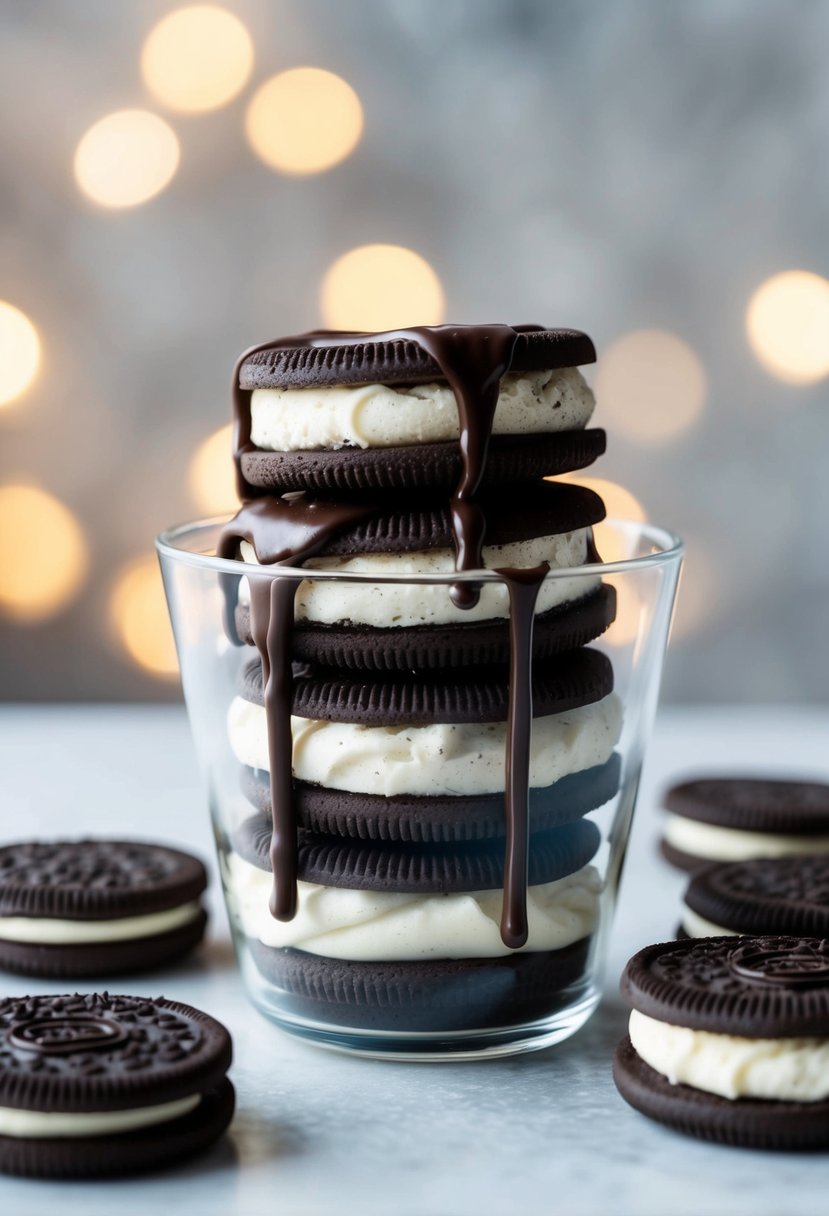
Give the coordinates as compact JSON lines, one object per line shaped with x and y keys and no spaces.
{"x":406,"y":988}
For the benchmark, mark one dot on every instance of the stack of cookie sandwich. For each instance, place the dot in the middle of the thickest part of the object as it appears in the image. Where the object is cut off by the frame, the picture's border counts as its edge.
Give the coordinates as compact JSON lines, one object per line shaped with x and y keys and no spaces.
{"x":419,"y":756}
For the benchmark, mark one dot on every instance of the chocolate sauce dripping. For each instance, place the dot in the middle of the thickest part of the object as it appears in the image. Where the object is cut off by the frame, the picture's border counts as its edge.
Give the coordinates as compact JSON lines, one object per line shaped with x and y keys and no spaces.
{"x":282,"y":531}
{"x":523,"y":587}
{"x":473,"y":360}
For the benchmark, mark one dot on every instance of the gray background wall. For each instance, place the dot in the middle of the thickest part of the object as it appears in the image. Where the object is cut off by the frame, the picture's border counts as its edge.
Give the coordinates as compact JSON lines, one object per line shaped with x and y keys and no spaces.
{"x":613,"y":165}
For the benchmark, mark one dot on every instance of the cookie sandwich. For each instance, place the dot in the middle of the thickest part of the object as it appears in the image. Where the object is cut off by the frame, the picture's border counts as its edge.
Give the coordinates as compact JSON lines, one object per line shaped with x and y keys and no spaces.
{"x":97,"y":907}
{"x":729,"y":1040}
{"x":737,"y":818}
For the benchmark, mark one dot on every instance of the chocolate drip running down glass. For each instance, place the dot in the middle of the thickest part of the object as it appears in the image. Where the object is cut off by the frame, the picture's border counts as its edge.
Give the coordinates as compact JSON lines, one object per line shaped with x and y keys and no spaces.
{"x":420,"y":728}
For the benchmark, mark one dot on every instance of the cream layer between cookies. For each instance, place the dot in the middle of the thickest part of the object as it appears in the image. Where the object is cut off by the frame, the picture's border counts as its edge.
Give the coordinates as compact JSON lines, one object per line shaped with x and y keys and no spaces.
{"x":384,"y":926}
{"x":403,"y":605}
{"x":51,"y":931}
{"x":697,"y":926}
{"x":44,"y":1125}
{"x":459,"y":758}
{"x":786,"y":1070}
{"x":378,"y":415}
{"x":714,"y":843}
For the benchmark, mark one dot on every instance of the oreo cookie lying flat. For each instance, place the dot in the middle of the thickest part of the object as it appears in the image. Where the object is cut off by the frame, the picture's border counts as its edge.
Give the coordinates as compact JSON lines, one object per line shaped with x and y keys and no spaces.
{"x":435,"y":819}
{"x":98,"y":1085}
{"x":332,"y":862}
{"x":738,"y":818}
{"x":681,"y":1064}
{"x":385,"y":359}
{"x":97,"y":907}
{"x":430,"y":647}
{"x":577,"y":678}
{"x":440,"y":996}
{"x":422,"y":466}
{"x":767,"y":895}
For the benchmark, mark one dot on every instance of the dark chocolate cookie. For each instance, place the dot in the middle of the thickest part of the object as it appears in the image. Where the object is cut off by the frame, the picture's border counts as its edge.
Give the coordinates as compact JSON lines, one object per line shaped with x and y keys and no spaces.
{"x":413,"y":819}
{"x":743,"y":1123}
{"x":425,"y":996}
{"x":768,"y":895}
{"x":333,"y":862}
{"x":422,"y":466}
{"x":430,"y":647}
{"x":751,"y":804}
{"x":115,"y":1056}
{"x":388,"y":360}
{"x":97,"y":888}
{"x":580,"y":677}
{"x":543,"y":508}
{"x":752,"y":987}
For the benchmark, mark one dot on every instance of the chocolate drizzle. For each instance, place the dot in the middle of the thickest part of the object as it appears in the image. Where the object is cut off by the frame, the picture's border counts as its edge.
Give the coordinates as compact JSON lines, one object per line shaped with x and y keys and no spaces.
{"x":473,"y":359}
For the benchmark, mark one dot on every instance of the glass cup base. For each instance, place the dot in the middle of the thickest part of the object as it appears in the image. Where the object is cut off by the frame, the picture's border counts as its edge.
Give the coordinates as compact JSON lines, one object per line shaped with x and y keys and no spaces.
{"x":426,"y":1048}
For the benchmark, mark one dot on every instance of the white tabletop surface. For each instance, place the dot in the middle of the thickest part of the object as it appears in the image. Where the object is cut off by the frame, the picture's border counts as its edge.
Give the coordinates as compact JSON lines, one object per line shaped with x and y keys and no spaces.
{"x":319,"y":1133}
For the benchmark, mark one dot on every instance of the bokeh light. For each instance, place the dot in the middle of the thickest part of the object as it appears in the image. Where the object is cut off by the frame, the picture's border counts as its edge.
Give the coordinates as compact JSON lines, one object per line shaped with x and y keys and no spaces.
{"x":43,"y":554}
{"x":619,"y":504}
{"x":787,"y":322}
{"x":138,"y":611}
{"x":19,"y":352}
{"x":197,"y":58}
{"x":650,"y":386}
{"x":212,"y":475}
{"x":305,"y":120}
{"x":376,"y":287}
{"x":126,"y":158}
{"x":629,"y":609}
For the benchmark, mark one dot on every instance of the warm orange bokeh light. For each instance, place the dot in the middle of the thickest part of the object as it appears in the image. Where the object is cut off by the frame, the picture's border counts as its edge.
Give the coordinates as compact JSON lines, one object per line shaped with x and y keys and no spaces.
{"x":126,"y":158}
{"x":650,"y":386}
{"x":619,"y":504}
{"x":212,"y":476}
{"x":19,"y":352}
{"x":304,"y":121}
{"x":43,"y":554}
{"x":197,"y":58}
{"x":787,"y":322}
{"x":376,"y":287}
{"x":138,"y":611}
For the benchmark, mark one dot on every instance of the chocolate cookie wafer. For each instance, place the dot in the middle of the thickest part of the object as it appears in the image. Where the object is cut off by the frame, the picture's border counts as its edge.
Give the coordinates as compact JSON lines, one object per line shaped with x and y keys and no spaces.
{"x":96,"y":1085}
{"x":729,"y":1039}
{"x":97,"y":907}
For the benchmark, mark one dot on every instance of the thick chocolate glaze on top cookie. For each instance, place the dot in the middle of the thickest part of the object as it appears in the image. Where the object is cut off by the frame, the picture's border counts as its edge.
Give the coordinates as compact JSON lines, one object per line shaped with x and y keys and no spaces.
{"x":472,"y":359}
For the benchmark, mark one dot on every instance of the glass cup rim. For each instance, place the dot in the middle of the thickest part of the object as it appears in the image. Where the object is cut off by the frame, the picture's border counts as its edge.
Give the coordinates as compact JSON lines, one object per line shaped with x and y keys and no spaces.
{"x":668,"y":547}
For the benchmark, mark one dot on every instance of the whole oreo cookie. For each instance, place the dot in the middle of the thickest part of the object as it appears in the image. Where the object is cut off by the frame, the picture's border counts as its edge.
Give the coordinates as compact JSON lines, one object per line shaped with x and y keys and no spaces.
{"x":578,"y":678}
{"x":332,"y":862}
{"x":425,"y":996}
{"x":738,"y":818}
{"x":691,"y":1060}
{"x":432,"y":819}
{"x":98,"y":1085}
{"x":767,"y":895}
{"x":430,"y":647}
{"x":97,"y":907}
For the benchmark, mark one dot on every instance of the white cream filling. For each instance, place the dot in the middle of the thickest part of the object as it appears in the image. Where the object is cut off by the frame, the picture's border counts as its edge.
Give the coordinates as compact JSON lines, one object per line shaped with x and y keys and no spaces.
{"x":53,"y":932}
{"x":39,"y":1125}
{"x":715,"y":843}
{"x":382,"y":926}
{"x":697,"y":926}
{"x":462,"y":758}
{"x":378,"y":415}
{"x":384,"y":605}
{"x":788,"y":1070}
